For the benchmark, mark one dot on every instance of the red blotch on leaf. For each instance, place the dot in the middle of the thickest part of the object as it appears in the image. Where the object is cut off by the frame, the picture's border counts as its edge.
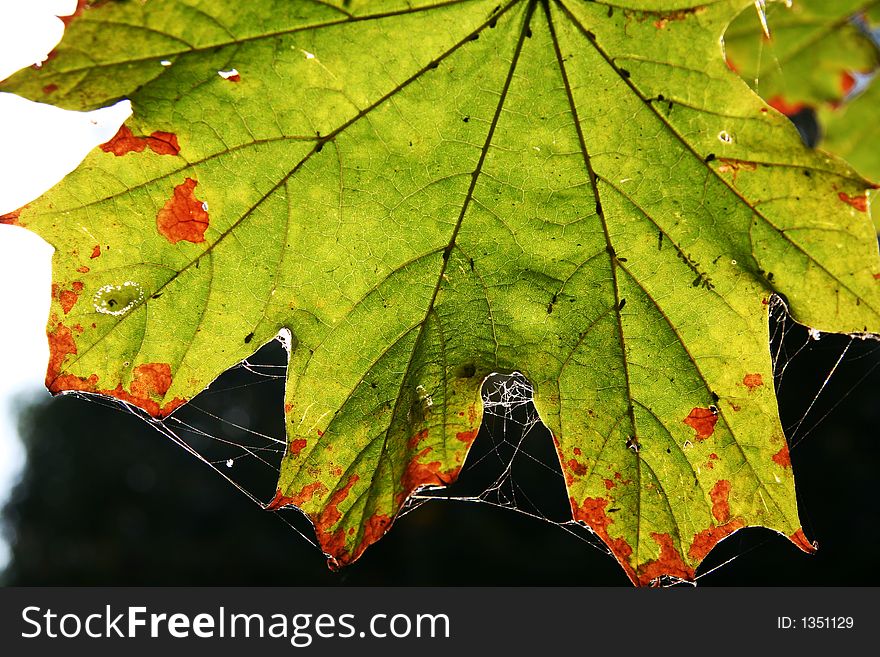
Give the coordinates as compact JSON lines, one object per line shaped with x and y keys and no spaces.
{"x":83,"y":269}
{"x":10,"y":219}
{"x":296,"y":446}
{"x":418,"y":473}
{"x":592,"y":512}
{"x":149,"y":385}
{"x":752,"y":381}
{"x":720,"y":505}
{"x":860,"y":203}
{"x":709,"y":538}
{"x":782,"y":457}
{"x":413,"y":442}
{"x":800,"y":539}
{"x":702,"y":421}
{"x":297,"y":499}
{"x":780,"y":104}
{"x":124,"y":142}
{"x":67,"y":298}
{"x":609,"y":484}
{"x":847,"y":82}
{"x":50,"y":88}
{"x":184,"y":216}
{"x":467,"y":437}
{"x":96,"y":251}
{"x":668,"y":563}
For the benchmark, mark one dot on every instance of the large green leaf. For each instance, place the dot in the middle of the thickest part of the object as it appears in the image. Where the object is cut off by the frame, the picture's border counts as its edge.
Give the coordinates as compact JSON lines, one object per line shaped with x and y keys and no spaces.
{"x":425,"y":192}
{"x":813,"y":50}
{"x":852,"y":132}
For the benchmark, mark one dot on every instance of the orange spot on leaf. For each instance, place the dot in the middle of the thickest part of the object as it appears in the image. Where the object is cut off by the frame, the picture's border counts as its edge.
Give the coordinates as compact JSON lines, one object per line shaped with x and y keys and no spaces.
{"x":707,"y":539}
{"x":668,"y":563}
{"x":720,"y":505}
{"x":702,"y":421}
{"x":780,"y":104}
{"x":847,"y":82}
{"x":296,"y":446}
{"x":184,"y":216}
{"x":752,"y":381}
{"x":800,"y":539}
{"x":96,"y":251}
{"x":860,"y":203}
{"x":124,"y":142}
{"x":10,"y":219}
{"x":467,"y":437}
{"x":592,"y":512}
{"x":782,"y":457}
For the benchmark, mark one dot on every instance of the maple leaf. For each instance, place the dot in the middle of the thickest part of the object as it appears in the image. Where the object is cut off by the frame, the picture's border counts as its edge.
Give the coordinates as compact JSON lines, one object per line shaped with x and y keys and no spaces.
{"x":423,"y":193}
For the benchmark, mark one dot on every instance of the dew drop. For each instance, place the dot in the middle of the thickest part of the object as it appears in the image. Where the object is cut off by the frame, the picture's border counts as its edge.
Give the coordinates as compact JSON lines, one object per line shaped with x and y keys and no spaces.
{"x":229,"y":463}
{"x":725,"y":137}
{"x":165,"y":62}
{"x":227,"y":74}
{"x":815,"y":334}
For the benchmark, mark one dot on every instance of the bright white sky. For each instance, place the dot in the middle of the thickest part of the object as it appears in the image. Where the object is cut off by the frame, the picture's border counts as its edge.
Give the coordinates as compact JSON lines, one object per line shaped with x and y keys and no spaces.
{"x":39,"y":144}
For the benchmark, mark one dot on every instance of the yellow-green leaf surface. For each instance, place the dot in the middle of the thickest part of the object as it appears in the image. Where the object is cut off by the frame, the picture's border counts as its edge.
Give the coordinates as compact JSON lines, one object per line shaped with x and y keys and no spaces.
{"x":423,"y":193}
{"x":852,"y":131}
{"x":809,"y":59}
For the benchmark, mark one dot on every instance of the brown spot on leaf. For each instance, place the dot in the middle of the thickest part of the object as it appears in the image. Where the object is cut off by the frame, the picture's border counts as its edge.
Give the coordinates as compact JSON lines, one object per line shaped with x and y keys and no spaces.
{"x":782,"y":457}
{"x":296,"y":446}
{"x":83,"y":269}
{"x":609,"y":484}
{"x":707,"y":539}
{"x":124,"y":142}
{"x":752,"y":381}
{"x":728,"y":165}
{"x":50,"y":88}
{"x":184,"y":216}
{"x":800,"y":539}
{"x":720,"y":505}
{"x":668,"y":563}
{"x":702,"y":421}
{"x":96,"y":251}
{"x":860,"y":203}
{"x":288,"y":408}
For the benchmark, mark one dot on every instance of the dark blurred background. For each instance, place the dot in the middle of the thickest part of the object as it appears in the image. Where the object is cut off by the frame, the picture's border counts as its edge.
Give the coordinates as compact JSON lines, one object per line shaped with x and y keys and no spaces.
{"x":107,"y":499}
